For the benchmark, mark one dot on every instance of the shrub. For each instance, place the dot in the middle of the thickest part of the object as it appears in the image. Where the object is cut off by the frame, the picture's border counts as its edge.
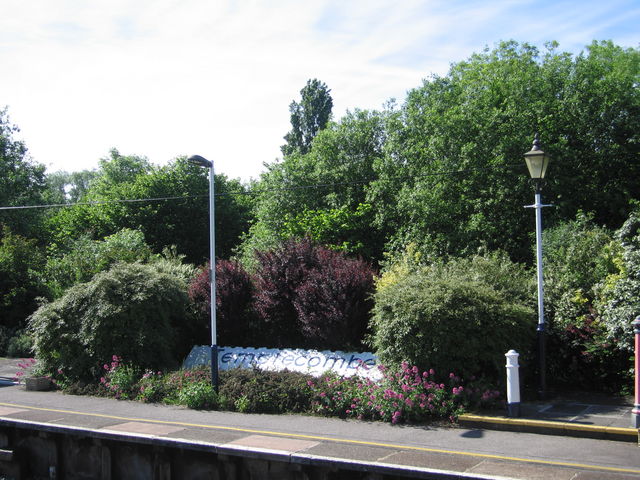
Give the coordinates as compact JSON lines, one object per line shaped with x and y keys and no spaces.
{"x":198,"y":395}
{"x":235,"y":319}
{"x":20,"y":345}
{"x":622,"y":302}
{"x":310,"y":296}
{"x":460,"y":316}
{"x":131,"y":311}
{"x":120,"y":379}
{"x":581,"y":259}
{"x":260,"y":391}
{"x":404,"y":394}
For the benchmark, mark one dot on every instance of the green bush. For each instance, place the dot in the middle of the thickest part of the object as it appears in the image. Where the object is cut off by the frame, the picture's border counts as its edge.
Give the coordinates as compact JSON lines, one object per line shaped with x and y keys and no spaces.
{"x":20,"y":345}
{"x":462,"y":315}
{"x":265,"y":392}
{"x":622,"y":297}
{"x":132,"y":311}
{"x":198,"y":395}
{"x":581,"y":261}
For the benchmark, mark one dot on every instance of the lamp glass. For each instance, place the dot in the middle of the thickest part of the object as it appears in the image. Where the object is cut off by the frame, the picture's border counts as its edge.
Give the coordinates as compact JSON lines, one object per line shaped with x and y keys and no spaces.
{"x":537,"y":163}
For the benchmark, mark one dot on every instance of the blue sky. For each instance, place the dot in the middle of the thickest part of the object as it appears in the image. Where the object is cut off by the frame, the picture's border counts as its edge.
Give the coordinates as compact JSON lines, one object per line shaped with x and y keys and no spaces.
{"x":163,"y":78}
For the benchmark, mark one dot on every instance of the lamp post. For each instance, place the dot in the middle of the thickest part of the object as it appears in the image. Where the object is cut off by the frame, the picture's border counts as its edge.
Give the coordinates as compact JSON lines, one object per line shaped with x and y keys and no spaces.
{"x":203,"y":162}
{"x":537,"y":163}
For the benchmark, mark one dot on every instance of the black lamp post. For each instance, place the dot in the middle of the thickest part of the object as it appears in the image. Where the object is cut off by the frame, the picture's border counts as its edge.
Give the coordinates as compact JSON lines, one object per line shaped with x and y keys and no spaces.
{"x":537,"y":163}
{"x":203,"y":162}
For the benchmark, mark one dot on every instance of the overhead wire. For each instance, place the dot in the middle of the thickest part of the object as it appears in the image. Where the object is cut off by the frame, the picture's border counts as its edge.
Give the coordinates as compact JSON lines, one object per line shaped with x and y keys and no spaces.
{"x":253,"y":191}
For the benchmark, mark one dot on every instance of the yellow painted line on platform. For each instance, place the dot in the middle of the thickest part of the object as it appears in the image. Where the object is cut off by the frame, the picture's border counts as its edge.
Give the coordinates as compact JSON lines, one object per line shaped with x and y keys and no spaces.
{"x":524,"y":422}
{"x":333,"y":440}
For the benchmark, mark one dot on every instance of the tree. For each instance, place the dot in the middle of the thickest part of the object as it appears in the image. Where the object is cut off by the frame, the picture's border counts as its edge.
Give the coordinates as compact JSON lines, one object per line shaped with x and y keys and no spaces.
{"x":323,"y":194}
{"x":65,"y":187}
{"x":21,"y":262}
{"x":22,"y":182}
{"x":453,"y":178}
{"x":84,"y":257}
{"x":308,"y":117}
{"x":168,"y":204}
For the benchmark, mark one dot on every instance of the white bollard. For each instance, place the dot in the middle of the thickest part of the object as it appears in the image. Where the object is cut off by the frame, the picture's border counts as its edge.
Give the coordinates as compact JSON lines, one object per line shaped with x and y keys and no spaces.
{"x":513,"y":383}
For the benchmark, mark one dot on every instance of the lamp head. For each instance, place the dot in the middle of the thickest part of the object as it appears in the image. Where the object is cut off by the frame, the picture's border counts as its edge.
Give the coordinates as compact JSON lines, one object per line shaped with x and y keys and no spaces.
{"x":200,"y":161}
{"x":537,"y":160}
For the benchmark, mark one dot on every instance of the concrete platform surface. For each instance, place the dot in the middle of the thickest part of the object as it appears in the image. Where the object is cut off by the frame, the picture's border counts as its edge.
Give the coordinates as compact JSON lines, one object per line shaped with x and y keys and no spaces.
{"x":423,"y":451}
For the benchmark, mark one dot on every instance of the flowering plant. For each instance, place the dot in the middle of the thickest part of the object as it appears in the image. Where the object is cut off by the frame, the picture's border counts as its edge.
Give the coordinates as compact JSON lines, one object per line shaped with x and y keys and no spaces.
{"x":403,"y":395}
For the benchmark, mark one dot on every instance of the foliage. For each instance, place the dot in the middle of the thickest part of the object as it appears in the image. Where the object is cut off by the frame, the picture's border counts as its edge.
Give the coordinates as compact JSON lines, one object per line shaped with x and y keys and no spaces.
{"x":308,"y":117}
{"x":403,"y":395}
{"x":322,"y":194}
{"x":65,"y":188}
{"x":581,"y":258}
{"x":132,"y":311}
{"x":305,"y":294}
{"x":173,"y":207}
{"x":20,"y":285}
{"x":338,"y":228}
{"x":22,"y":182}
{"x":235,"y":318}
{"x":453,"y":178}
{"x":120,"y":379}
{"x":20,"y":345}
{"x":578,"y":256}
{"x":84,"y":257}
{"x":461,"y":315}
{"x":200,"y":395}
{"x":259,"y":391}
{"x":622,"y":298}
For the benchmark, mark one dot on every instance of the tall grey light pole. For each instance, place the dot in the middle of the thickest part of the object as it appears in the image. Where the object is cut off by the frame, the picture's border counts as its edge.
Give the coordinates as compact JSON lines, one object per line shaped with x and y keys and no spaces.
{"x":537,"y":163}
{"x":203,"y":162}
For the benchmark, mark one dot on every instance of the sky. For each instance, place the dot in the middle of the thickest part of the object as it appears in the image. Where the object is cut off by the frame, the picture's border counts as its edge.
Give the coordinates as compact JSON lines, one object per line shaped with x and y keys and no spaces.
{"x":164,"y":78}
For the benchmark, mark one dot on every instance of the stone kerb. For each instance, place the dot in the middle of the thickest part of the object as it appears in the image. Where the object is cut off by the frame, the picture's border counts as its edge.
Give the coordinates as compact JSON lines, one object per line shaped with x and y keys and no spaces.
{"x":313,"y":362}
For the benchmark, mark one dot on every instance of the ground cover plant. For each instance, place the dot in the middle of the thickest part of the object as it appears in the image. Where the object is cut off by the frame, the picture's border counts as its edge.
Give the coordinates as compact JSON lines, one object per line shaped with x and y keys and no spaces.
{"x":404,"y":395}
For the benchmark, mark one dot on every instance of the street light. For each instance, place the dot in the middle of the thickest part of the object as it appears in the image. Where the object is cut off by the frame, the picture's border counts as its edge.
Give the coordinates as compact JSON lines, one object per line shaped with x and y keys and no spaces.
{"x":537,"y":163}
{"x":203,"y":162}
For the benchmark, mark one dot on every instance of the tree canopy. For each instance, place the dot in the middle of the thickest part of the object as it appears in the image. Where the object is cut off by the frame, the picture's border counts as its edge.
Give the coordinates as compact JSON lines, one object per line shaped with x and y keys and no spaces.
{"x":308,"y":117}
{"x":22,"y":181}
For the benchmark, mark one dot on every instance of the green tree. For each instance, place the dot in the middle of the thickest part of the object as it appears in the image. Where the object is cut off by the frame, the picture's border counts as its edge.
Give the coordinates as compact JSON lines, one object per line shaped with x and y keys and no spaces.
{"x":308,"y":117}
{"x":322,"y":194}
{"x":453,"y":177}
{"x":64,"y":187}
{"x":22,"y":181}
{"x":168,"y":204}
{"x":582,"y":260}
{"x":21,"y":260}
{"x":84,"y":257}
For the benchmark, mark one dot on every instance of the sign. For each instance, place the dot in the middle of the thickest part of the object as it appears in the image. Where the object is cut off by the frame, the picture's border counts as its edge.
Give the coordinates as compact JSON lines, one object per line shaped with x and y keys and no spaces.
{"x":312,"y":362}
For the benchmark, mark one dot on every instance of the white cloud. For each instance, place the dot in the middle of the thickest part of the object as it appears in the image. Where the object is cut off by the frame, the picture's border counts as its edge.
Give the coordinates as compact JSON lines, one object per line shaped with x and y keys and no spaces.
{"x":168,"y":77}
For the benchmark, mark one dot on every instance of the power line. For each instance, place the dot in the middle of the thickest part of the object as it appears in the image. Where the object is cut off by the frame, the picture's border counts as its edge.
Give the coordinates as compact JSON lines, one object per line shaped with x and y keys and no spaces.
{"x":257,"y":191}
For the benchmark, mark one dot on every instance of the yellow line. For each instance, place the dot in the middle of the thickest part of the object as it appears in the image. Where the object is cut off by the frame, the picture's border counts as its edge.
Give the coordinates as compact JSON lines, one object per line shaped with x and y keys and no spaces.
{"x":578,"y":427}
{"x":329,"y":439}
